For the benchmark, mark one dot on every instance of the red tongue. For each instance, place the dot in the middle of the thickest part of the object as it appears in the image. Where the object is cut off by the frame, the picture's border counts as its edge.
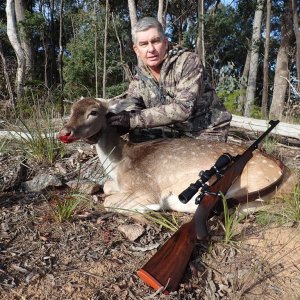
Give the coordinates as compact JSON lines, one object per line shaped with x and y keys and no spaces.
{"x":67,"y":139}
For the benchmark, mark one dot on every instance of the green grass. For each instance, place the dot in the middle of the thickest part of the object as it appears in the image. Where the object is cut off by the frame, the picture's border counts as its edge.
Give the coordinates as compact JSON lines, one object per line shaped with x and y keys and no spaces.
{"x":37,"y":137}
{"x":291,"y":209}
{"x":166,"y":221}
{"x":230,"y":222}
{"x":4,"y":146}
{"x":287,"y":211}
{"x":266,"y":218}
{"x":64,"y":208}
{"x":270,"y":145}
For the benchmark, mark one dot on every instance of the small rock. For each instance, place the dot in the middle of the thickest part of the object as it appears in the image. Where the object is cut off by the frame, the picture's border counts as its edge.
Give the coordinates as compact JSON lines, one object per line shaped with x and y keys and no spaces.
{"x":132,"y":232}
{"x":41,"y":181}
{"x":85,"y":186}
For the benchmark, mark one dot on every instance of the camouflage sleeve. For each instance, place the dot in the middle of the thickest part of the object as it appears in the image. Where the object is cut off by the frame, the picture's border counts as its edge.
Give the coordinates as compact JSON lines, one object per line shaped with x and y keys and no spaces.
{"x":190,"y":73}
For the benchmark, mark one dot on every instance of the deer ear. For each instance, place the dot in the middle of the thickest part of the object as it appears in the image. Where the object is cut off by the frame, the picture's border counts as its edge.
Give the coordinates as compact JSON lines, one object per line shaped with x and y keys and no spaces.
{"x":117,"y":105}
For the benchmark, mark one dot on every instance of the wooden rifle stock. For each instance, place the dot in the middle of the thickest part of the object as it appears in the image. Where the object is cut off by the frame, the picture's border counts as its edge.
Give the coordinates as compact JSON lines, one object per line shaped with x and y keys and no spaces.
{"x":167,"y":267}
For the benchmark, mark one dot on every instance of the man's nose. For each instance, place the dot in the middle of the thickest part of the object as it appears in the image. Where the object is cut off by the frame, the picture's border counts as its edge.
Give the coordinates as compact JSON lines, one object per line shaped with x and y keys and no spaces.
{"x":151,"y":47}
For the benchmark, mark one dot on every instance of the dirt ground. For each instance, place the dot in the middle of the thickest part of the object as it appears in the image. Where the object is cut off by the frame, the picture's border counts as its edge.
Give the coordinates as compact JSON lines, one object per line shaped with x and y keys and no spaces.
{"x":90,"y":258}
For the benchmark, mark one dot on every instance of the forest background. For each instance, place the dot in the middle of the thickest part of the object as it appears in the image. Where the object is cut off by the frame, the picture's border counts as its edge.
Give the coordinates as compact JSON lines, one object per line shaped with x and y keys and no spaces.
{"x":53,"y":51}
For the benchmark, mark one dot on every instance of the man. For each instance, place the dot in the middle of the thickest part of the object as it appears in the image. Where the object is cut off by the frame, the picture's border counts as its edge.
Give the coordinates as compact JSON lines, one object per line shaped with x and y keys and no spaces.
{"x":170,"y":92}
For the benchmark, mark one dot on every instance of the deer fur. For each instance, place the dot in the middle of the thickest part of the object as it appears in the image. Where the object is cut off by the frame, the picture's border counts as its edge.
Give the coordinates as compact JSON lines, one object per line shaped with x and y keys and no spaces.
{"x":150,"y":175}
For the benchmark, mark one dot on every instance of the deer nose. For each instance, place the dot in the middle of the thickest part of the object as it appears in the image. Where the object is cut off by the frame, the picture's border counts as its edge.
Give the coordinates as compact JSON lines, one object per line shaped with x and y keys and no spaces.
{"x":64,"y":135}
{"x":65,"y":132}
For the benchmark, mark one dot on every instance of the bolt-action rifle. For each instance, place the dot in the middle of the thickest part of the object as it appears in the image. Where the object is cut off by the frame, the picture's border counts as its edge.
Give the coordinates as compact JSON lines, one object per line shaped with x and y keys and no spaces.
{"x":167,"y":267}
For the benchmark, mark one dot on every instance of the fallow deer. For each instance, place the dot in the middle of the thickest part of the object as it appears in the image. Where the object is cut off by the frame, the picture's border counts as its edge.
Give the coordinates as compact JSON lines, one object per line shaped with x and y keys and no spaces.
{"x":150,"y":175}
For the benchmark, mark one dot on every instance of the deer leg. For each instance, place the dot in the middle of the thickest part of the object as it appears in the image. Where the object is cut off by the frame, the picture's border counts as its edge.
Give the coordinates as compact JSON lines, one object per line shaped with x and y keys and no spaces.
{"x":132,"y":202}
{"x":110,"y":186}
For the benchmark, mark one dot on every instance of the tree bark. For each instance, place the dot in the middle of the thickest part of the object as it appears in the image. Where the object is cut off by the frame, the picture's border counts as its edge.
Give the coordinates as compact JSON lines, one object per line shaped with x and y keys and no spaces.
{"x":132,"y":12}
{"x":60,"y":55}
{"x":12,"y":34}
{"x":160,"y":12}
{"x":296,"y":27}
{"x":96,"y":49}
{"x":251,"y":87}
{"x":243,"y":83}
{"x":282,"y":129}
{"x":282,"y":62}
{"x":8,"y":85}
{"x":200,"y":36}
{"x":105,"y":50}
{"x":127,"y":74}
{"x":265,"y":94}
{"x":20,"y":9}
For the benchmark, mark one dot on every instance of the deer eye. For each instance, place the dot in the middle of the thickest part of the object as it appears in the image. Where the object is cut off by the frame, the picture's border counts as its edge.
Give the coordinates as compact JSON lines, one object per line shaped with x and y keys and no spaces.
{"x":93,"y":113}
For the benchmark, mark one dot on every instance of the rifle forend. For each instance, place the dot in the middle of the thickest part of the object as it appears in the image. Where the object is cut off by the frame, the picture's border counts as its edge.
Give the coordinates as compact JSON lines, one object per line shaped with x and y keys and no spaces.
{"x":167,"y":267}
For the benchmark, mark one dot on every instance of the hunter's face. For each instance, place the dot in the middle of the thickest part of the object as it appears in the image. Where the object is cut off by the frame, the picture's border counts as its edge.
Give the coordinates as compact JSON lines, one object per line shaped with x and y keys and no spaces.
{"x":150,"y":47}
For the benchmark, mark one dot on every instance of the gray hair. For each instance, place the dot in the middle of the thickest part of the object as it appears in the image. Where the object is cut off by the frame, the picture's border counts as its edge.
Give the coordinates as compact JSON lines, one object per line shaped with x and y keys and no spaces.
{"x":145,"y":24}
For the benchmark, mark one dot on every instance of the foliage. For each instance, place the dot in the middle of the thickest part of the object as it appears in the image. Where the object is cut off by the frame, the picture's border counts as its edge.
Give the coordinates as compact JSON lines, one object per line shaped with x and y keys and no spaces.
{"x":230,"y":222}
{"x":287,"y":211}
{"x":291,"y":212}
{"x":163,"y":220}
{"x":227,"y":35}
{"x":65,"y":208}
{"x":229,"y":87}
{"x":37,"y":136}
{"x":270,"y":145}
{"x":79,"y":66}
{"x":3,"y":146}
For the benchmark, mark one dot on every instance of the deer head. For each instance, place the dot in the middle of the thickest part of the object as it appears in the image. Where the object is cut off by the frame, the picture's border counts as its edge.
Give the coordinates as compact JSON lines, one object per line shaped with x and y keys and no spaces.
{"x":87,"y":120}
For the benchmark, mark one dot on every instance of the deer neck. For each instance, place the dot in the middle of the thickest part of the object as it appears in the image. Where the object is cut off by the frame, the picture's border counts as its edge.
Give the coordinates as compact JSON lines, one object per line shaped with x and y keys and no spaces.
{"x":110,"y":150}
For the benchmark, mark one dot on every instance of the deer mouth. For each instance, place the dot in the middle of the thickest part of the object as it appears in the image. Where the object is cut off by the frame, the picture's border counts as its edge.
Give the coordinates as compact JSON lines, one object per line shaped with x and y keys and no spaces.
{"x":67,"y":139}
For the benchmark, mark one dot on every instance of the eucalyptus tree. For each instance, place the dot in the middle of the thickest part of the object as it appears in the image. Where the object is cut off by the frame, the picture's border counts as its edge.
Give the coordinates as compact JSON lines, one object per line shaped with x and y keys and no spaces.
{"x":14,"y":38}
{"x":264,"y":104}
{"x":282,"y":63}
{"x":296,"y":27}
{"x":254,"y":58}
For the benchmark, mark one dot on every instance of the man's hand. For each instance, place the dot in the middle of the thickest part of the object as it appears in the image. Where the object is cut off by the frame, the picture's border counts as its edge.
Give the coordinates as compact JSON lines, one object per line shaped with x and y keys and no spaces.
{"x":120,"y":120}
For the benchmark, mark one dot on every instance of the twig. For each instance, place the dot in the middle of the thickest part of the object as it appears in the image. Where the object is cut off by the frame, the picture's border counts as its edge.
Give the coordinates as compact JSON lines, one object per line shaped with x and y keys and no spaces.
{"x":294,"y":90}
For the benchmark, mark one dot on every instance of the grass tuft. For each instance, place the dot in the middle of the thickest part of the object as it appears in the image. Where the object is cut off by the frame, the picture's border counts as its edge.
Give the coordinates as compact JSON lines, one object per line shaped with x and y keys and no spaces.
{"x":4,"y":146}
{"x":230,"y":222}
{"x":65,"y":208}
{"x":291,"y":210}
{"x":168,"y":222}
{"x":37,"y":137}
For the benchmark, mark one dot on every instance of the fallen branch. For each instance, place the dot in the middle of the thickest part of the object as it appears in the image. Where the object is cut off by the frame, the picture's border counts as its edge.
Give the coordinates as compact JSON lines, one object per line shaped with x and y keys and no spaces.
{"x":255,"y":125}
{"x":282,"y":129}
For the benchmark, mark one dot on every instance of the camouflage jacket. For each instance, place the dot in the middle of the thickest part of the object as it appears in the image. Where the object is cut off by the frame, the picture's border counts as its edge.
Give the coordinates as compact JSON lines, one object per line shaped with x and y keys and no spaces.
{"x":182,"y":99}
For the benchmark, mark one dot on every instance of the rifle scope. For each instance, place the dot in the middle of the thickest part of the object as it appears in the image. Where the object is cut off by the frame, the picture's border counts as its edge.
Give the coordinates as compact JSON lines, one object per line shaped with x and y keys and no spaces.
{"x":221,"y":163}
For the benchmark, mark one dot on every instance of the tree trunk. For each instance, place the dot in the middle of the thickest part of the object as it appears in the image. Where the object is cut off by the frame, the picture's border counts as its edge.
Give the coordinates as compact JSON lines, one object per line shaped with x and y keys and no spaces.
{"x":296,"y":27}
{"x":282,"y":62}
{"x":200,"y":36}
{"x":105,"y":50}
{"x":265,"y":94}
{"x":15,"y":42}
{"x":251,"y":87}
{"x":52,"y":77}
{"x":60,"y":56}
{"x":160,"y":12}
{"x":96,"y":49}
{"x":243,"y":87}
{"x":127,"y":74}
{"x":132,"y":12}
{"x":8,"y":85}
{"x":20,"y":8}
